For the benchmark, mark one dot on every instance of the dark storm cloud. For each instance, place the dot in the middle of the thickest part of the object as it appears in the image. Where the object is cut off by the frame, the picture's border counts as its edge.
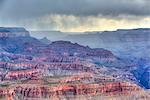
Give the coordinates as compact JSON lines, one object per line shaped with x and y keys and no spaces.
{"x":1,"y":3}
{"x":74,"y":15}
{"x":37,"y":8}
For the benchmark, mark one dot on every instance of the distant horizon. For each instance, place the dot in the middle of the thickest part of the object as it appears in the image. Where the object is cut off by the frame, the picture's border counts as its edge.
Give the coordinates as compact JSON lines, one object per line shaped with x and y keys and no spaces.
{"x":30,"y":30}
{"x":91,"y":30}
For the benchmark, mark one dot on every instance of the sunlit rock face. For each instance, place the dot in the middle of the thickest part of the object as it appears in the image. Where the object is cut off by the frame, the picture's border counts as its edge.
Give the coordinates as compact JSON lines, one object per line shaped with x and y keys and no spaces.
{"x":16,"y":75}
{"x":91,"y":89}
{"x":78,"y":85}
{"x":33,"y":69}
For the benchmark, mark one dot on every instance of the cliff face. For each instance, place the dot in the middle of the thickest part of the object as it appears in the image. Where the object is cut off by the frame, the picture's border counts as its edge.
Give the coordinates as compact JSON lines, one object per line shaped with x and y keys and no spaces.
{"x":107,"y":88}
{"x":142,"y":73}
{"x":31,"y":69}
{"x":93,"y":89}
{"x":13,"y":32}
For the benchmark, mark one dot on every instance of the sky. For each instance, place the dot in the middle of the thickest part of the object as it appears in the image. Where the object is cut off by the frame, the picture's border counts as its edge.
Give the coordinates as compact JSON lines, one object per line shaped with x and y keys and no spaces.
{"x":75,"y":15}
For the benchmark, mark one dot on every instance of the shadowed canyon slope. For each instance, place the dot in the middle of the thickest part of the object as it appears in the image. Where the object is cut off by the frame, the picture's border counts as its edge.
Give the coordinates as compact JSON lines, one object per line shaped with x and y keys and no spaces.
{"x":122,"y":42}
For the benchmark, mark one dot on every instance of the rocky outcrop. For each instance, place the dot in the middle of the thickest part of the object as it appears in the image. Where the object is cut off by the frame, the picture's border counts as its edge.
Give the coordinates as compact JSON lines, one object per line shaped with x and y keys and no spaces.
{"x":78,"y":50}
{"x":77,"y":77}
{"x":13,"y":32}
{"x":16,"y":75}
{"x":45,"y":40}
{"x":32,"y":91}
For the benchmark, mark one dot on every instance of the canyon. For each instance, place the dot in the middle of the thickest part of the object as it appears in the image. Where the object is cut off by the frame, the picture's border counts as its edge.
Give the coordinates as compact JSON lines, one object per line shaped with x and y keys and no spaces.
{"x":33,"y":69}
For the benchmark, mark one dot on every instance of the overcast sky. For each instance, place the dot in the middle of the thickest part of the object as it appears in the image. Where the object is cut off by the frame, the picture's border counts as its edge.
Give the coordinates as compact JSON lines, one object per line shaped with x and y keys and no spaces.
{"x":75,"y":15}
